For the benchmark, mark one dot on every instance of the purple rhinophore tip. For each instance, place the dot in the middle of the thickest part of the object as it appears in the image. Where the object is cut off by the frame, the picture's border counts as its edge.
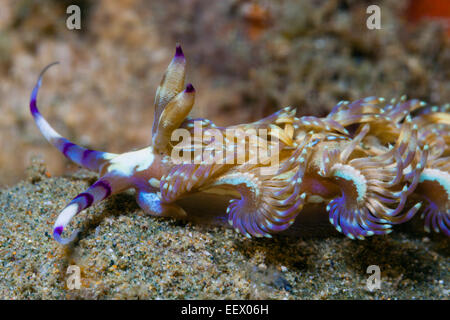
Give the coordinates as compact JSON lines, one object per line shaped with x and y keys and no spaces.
{"x":189,"y":88}
{"x":58,"y":230}
{"x":178,"y":52}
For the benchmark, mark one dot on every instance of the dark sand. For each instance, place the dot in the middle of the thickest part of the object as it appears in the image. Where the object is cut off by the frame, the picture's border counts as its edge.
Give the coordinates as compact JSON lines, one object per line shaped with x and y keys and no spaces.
{"x":125,"y":254}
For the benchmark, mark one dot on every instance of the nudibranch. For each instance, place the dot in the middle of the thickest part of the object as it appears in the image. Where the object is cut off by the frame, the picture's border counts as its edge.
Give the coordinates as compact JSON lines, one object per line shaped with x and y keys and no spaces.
{"x":372,"y":163}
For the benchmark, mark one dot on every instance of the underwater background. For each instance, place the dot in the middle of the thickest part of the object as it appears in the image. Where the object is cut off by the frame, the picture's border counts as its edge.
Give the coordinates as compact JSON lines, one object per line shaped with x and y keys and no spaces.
{"x":247,"y":59}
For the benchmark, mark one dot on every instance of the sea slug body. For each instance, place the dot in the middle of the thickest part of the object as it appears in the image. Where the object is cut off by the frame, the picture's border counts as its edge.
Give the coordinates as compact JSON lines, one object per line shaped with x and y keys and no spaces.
{"x":372,"y":164}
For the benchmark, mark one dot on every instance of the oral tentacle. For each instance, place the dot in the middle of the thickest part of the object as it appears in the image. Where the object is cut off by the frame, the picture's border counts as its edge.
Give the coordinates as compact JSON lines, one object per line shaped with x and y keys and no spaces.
{"x":100,"y":190}
{"x":87,"y":158}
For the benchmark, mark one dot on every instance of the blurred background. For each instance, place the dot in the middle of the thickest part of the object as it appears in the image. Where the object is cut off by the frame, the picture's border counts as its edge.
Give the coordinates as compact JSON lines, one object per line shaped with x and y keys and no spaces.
{"x":246,"y":59}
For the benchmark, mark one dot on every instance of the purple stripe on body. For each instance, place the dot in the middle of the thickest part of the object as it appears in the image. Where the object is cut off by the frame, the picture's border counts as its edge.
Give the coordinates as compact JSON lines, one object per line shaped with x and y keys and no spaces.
{"x":87,"y":196}
{"x":67,"y":146}
{"x":86,"y":155}
{"x":33,"y":103}
{"x":33,"y":108}
{"x":105,"y":185}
